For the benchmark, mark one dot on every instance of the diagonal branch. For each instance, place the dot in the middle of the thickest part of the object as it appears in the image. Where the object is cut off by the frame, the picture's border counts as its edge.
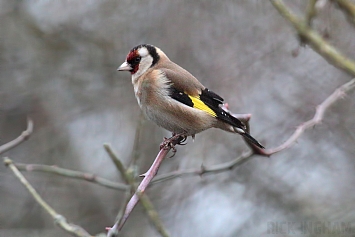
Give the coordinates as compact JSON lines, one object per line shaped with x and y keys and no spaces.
{"x":128,"y":174}
{"x":58,"y":219}
{"x":318,"y":116}
{"x":205,"y":170}
{"x":315,"y":40}
{"x":311,"y":11}
{"x":138,"y":196}
{"x":71,"y":174}
{"x":348,"y":8}
{"x":148,"y":176}
{"x":136,"y":143}
{"x":24,"y":136}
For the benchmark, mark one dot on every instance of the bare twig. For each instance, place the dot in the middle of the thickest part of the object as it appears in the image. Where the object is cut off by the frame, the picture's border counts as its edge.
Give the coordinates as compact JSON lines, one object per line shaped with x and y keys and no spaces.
{"x":148,"y":176}
{"x":136,"y":144}
{"x":318,"y":117}
{"x":129,"y":175}
{"x":24,"y":136}
{"x":315,"y":40}
{"x":116,"y":161}
{"x":138,"y":196}
{"x":348,"y":8}
{"x":124,"y":201}
{"x":204,"y":170}
{"x":58,"y":219}
{"x":132,"y":169}
{"x":111,"y":232}
{"x":311,"y":11}
{"x":71,"y":174}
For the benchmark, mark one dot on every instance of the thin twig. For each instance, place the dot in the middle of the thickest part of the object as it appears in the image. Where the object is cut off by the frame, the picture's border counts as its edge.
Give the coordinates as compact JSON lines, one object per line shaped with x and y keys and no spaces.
{"x":132,"y":167}
{"x":318,"y":116}
{"x":119,"y":165}
{"x":58,"y":219}
{"x":205,"y":170}
{"x":148,"y":176}
{"x":24,"y":136}
{"x":348,"y":8}
{"x":129,"y":175}
{"x":136,"y":144}
{"x":71,"y":174}
{"x":124,"y":201}
{"x":315,"y":40}
{"x":311,"y":11}
{"x":138,"y":196}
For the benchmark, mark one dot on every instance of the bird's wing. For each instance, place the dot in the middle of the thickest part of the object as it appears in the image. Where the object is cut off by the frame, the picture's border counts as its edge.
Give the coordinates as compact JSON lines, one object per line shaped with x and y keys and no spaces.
{"x":186,"y":89}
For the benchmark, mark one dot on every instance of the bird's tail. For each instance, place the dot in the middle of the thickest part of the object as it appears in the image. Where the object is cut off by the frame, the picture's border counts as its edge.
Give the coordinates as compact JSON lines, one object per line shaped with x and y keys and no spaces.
{"x":252,"y":140}
{"x":248,"y":137}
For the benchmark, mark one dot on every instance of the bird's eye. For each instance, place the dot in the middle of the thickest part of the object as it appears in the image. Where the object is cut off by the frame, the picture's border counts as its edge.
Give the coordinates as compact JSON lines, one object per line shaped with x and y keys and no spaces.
{"x":137,"y":59}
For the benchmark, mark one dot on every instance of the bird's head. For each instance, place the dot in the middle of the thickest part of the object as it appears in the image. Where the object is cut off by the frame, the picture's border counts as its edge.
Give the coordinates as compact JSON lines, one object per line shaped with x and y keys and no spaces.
{"x":140,"y":59}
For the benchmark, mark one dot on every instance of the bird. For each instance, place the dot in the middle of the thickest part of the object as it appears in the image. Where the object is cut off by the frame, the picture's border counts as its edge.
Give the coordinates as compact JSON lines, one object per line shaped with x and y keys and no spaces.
{"x":174,"y":99}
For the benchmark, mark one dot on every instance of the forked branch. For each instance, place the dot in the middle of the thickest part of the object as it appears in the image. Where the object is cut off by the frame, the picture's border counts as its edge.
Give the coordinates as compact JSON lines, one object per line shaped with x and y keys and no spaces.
{"x":24,"y":136}
{"x":143,"y":198}
{"x":348,"y":8}
{"x":317,"y":118}
{"x":58,"y":219}
{"x":71,"y":174}
{"x":315,"y":40}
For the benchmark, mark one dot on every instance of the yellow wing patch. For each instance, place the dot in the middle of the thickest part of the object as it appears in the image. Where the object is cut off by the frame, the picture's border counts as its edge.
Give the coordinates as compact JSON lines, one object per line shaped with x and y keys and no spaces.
{"x":199,"y":104}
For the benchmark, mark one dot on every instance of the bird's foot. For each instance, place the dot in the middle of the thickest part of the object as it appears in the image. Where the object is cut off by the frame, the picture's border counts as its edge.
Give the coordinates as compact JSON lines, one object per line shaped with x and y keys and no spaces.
{"x":175,"y":139}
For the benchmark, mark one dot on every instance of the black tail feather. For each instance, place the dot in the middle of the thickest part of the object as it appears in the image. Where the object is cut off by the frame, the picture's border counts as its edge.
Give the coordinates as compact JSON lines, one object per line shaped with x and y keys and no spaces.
{"x":252,"y":140}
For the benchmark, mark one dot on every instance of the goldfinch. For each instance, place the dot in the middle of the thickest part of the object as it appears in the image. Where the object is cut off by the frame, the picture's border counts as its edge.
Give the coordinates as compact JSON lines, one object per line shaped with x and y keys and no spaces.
{"x":173,"y":98}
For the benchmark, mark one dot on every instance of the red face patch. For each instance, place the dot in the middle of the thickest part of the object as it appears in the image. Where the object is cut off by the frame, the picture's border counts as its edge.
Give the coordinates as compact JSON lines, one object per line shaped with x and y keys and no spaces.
{"x":133,"y":59}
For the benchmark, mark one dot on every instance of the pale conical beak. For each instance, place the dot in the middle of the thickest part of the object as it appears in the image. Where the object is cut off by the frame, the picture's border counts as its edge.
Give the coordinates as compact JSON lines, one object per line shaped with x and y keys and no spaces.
{"x":124,"y":67}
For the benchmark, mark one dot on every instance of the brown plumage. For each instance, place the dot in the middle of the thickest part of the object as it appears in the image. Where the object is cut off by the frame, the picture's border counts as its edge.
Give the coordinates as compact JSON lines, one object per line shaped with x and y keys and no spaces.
{"x":173,"y":98}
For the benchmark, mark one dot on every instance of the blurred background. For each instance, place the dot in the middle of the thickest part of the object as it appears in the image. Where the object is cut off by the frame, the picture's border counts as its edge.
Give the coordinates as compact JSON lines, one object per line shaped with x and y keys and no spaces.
{"x":58,"y":62}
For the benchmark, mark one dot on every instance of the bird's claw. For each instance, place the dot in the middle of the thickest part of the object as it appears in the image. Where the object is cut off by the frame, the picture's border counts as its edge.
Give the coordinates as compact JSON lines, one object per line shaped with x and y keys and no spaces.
{"x":168,"y":142}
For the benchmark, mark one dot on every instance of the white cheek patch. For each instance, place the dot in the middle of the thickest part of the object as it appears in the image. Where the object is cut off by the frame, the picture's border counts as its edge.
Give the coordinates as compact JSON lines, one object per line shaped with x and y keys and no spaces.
{"x":144,"y":65}
{"x":143,"y":52}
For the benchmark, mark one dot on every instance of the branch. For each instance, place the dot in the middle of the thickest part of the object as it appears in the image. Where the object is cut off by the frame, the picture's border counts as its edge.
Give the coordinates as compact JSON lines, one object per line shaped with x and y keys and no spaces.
{"x":58,"y":219}
{"x":318,"y":116}
{"x":138,"y":196}
{"x":205,"y":170}
{"x":315,"y":40}
{"x":136,"y":143}
{"x":348,"y":8}
{"x":132,"y":167}
{"x":24,"y":136}
{"x":71,"y":174}
{"x":311,"y":11}
{"x":116,"y":161}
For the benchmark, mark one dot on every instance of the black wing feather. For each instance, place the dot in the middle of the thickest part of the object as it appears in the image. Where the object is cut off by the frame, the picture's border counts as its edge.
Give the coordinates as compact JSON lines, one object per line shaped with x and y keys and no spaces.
{"x":180,"y":96}
{"x":214,"y":101}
